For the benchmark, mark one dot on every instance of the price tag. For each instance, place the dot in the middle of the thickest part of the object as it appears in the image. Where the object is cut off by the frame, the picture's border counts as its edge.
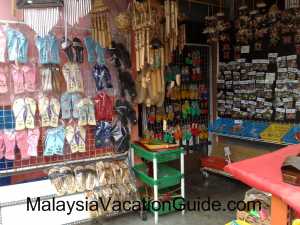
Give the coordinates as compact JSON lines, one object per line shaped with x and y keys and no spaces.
{"x":272,"y":55}
{"x":238,"y":122}
{"x":291,"y":57}
{"x":281,"y":110}
{"x":282,"y":70}
{"x":165,"y":125}
{"x":270,"y":76}
{"x":290,"y":111}
{"x":245,"y":49}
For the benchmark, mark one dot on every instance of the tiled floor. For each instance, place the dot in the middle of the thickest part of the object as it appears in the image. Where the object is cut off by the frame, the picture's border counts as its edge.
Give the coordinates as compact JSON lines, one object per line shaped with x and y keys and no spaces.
{"x":215,"y":187}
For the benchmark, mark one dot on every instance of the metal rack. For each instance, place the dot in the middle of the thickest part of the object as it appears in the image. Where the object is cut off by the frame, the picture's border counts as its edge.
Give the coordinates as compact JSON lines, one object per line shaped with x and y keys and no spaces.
{"x":8,"y":172}
{"x":157,"y":158}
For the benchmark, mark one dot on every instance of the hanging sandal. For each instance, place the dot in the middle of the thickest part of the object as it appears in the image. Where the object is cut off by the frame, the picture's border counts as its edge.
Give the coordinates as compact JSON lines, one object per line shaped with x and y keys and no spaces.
{"x":54,"y":112}
{"x":30,"y":115}
{"x":78,"y":49}
{"x":19,"y":110}
{"x":43,"y":105}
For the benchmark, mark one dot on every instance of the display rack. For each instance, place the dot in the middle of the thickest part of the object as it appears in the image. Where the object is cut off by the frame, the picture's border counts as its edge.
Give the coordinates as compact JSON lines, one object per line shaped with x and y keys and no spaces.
{"x":9,"y":172}
{"x":251,"y":139}
{"x":14,"y":198}
{"x":163,"y":176}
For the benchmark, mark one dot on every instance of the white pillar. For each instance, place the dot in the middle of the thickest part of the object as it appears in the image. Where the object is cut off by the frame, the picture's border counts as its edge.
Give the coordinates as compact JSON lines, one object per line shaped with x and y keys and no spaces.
{"x":182,"y":177}
{"x":155,"y":190}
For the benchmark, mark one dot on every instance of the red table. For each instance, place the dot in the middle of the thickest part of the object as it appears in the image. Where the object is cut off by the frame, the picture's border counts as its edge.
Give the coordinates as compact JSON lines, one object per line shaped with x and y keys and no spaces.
{"x":264,"y":173}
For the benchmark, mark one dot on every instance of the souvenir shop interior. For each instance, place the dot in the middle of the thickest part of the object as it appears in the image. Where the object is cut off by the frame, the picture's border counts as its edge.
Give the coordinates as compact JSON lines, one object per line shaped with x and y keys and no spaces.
{"x":150,"y":112}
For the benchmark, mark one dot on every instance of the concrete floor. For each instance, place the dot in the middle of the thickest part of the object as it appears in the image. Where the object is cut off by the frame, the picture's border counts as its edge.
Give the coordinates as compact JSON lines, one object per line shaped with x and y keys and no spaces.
{"x":215,"y":187}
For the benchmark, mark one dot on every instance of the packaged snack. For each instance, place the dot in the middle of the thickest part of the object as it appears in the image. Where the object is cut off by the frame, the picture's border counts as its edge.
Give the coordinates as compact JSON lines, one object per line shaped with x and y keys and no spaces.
{"x":292,"y":61}
{"x":221,"y":84}
{"x":273,"y":58}
{"x":279,"y":114}
{"x":260,"y":102}
{"x":68,"y":179}
{"x":228,"y":84}
{"x":282,"y":62}
{"x":252,"y":75}
{"x":91,"y":179}
{"x":282,"y":73}
{"x":288,"y":102}
{"x":280,"y":84}
{"x":100,"y":168}
{"x":228,"y":75}
{"x":236,"y":76}
{"x":80,"y":178}
{"x":290,"y":114}
{"x":268,"y":113}
{"x":57,"y":180}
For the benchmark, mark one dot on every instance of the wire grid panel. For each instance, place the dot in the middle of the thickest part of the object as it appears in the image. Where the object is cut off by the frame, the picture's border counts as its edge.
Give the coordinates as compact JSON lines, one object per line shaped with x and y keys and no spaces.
{"x":204,"y":53}
{"x":7,"y":120}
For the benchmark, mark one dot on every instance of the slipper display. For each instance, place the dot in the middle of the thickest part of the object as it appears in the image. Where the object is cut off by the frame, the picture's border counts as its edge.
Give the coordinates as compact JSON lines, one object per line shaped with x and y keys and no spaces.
{"x":54,"y":141}
{"x":66,"y":46}
{"x":3,"y":81}
{"x":22,"y":143}
{"x":54,"y":112}
{"x":78,"y":49}
{"x":58,"y":81}
{"x":120,"y":136}
{"x":9,"y":137}
{"x":73,"y":77}
{"x":19,"y":109}
{"x":33,"y":140}
{"x":102,"y":77}
{"x":69,"y":105}
{"x":103,"y":106}
{"x":86,"y":112}
{"x":75,"y":137}
{"x":30,"y":112}
{"x":46,"y":76}
{"x":103,"y":134}
{"x":2,"y":145}
{"x":30,"y":78}
{"x":18,"y":79}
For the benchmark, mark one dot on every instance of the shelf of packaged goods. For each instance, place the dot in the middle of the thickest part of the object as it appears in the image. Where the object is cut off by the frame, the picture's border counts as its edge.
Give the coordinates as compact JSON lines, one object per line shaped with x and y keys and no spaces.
{"x":251,"y":139}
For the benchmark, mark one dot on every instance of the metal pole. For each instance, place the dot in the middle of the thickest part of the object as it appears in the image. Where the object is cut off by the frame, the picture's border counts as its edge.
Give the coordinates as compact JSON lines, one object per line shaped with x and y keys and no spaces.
{"x":155,"y":190}
{"x":132,"y":156}
{"x":211,"y":96}
{"x":182,"y":177}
